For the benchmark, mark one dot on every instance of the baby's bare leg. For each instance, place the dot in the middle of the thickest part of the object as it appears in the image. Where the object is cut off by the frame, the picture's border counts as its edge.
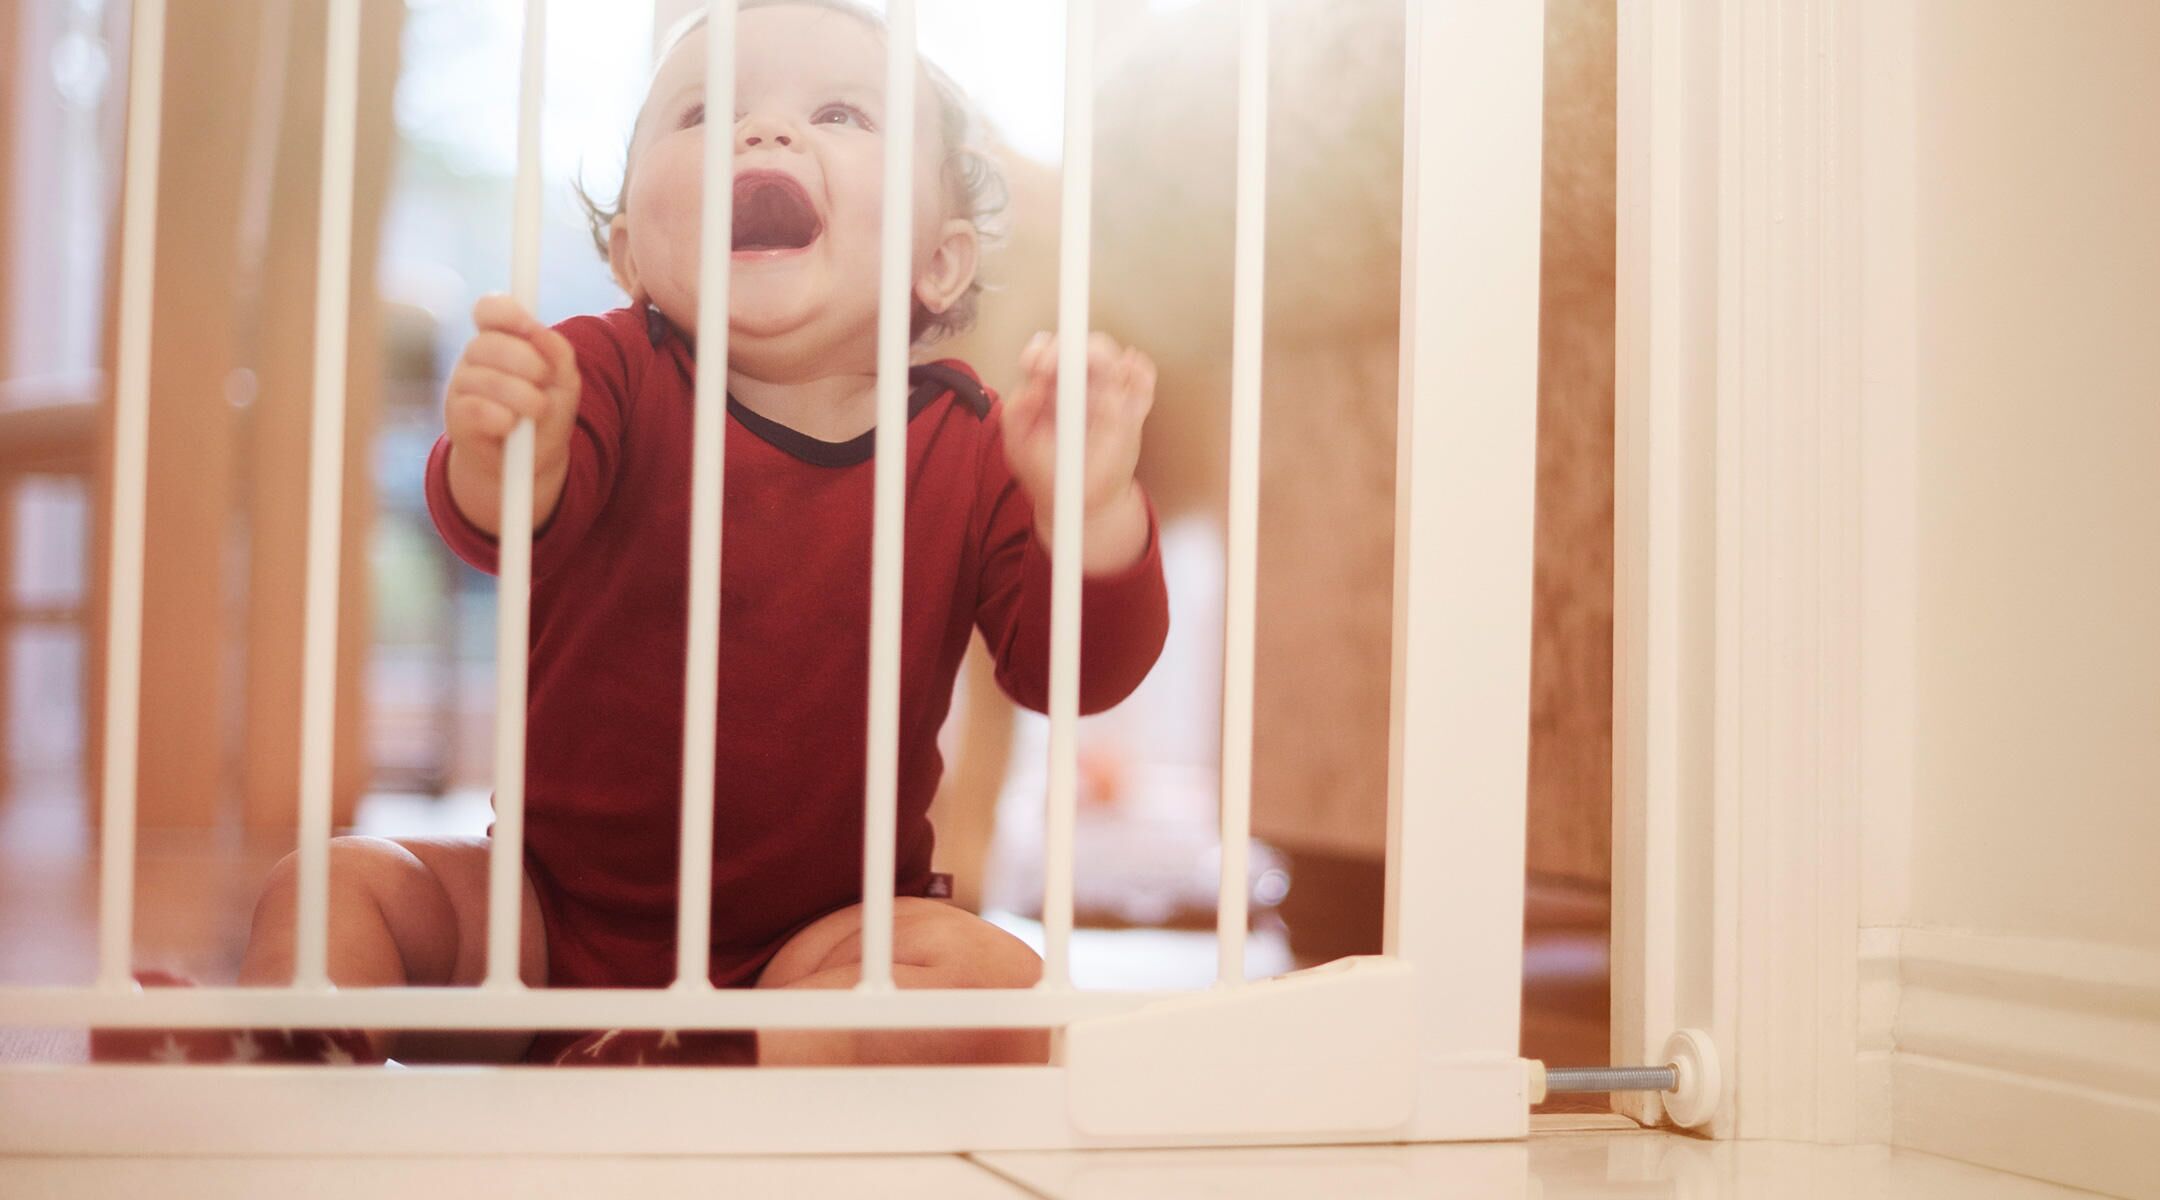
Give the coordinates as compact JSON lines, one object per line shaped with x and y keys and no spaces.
{"x":409,"y":911}
{"x":935,"y":945}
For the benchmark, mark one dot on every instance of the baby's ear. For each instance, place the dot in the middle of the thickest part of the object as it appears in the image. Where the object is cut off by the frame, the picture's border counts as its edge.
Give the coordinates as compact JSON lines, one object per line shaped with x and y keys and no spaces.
{"x":951,"y":269}
{"x":621,"y":263}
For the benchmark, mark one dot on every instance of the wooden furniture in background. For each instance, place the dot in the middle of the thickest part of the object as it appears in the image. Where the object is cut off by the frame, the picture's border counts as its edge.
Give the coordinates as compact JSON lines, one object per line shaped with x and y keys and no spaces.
{"x":276,"y":447}
{"x":231,"y":394}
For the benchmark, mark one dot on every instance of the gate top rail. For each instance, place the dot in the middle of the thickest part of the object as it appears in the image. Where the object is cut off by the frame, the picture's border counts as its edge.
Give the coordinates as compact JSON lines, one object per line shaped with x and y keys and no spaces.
{"x":565,"y":1008}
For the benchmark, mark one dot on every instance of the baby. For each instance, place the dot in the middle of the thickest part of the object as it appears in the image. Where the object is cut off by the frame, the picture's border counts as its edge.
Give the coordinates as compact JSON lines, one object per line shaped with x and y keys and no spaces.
{"x":611,"y":397}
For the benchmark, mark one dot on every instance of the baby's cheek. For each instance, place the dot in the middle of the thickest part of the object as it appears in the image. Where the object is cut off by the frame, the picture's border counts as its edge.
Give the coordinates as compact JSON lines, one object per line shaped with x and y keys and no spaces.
{"x":668,"y":194}
{"x":681,"y":212}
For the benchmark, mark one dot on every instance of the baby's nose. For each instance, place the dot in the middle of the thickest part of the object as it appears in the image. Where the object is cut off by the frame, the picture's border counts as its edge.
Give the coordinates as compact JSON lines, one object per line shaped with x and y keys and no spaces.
{"x":756,"y":131}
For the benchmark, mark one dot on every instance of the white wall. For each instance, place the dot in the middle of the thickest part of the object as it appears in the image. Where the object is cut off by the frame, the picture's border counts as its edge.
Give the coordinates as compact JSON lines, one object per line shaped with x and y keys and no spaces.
{"x":2038,"y":756}
{"x":1887,"y":722}
{"x":2028,"y":1020}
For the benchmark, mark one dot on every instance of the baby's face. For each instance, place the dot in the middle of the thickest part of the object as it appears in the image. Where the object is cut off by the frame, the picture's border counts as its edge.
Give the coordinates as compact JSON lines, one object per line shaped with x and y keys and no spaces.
{"x":809,"y":174}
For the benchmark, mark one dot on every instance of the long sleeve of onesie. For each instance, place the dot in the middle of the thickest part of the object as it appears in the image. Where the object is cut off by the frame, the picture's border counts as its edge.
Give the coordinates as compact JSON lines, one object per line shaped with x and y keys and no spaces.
{"x":595,"y":453}
{"x":1124,"y":617}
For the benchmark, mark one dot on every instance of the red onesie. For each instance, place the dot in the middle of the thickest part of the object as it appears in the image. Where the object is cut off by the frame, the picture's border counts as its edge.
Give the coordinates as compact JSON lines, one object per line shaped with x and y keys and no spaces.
{"x":609,"y":614}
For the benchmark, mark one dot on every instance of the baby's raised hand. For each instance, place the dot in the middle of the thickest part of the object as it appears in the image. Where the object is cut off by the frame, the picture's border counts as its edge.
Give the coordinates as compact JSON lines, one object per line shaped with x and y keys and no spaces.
{"x":514,"y":368}
{"x":1120,"y":391}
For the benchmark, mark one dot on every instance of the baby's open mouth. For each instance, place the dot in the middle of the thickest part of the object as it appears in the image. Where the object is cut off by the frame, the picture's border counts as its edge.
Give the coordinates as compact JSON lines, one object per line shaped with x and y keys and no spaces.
{"x":773,"y":212}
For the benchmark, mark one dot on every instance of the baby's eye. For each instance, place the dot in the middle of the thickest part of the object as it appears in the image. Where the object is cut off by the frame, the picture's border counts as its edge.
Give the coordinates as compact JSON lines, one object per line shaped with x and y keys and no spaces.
{"x":838,"y":113}
{"x":695,"y":115}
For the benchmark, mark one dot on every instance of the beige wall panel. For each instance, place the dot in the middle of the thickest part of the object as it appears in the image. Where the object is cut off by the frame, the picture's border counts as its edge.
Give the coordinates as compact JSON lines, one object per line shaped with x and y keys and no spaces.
{"x":2037,"y":810}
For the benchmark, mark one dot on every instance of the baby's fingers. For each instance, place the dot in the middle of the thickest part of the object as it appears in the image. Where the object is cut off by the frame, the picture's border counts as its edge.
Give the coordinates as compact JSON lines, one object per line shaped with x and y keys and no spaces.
{"x":508,"y":353}
{"x":477,"y":390}
{"x":1024,"y":409}
{"x":1102,"y":355}
{"x":561,"y":357}
{"x":504,"y":315}
{"x":1138,"y":371}
{"x":475,"y":422}
{"x":1038,"y":383}
{"x":1039,"y":357}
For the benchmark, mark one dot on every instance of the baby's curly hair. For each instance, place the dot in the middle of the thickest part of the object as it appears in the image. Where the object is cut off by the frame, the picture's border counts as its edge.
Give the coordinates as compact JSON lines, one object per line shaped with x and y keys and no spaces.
{"x":971,"y":176}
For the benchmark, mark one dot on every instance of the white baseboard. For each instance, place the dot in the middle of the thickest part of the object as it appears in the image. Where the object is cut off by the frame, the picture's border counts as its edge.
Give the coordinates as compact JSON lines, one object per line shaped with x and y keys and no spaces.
{"x":2031,"y":1056}
{"x":1875,"y":1033}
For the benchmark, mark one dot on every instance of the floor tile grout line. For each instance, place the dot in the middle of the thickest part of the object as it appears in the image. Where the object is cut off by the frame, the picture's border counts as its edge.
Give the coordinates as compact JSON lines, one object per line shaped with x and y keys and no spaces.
{"x":1014,"y":1180}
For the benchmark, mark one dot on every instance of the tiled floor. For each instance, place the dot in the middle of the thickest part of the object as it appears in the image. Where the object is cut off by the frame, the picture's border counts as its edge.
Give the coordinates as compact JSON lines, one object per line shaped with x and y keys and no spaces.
{"x":1552,"y":1166}
{"x":1580,"y":1166}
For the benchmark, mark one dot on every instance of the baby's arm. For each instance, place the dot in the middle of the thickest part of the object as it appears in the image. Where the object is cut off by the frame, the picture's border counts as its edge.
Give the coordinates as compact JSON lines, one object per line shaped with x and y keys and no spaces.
{"x":1124,"y":608}
{"x":1120,"y":391}
{"x":514,"y":368}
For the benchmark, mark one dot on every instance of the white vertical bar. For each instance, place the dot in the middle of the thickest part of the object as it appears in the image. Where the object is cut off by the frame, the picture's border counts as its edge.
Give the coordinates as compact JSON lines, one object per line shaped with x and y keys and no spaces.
{"x":1073,"y":245}
{"x":895,"y":315}
{"x":1243,"y":556}
{"x":326,"y":487}
{"x":708,"y":461}
{"x":1465,"y":487}
{"x":131,"y":446}
{"x":513,"y":574}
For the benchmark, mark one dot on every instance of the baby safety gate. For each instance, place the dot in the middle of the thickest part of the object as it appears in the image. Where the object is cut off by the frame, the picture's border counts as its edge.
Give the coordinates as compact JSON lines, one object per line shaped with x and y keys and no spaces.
{"x":1415,"y":1044}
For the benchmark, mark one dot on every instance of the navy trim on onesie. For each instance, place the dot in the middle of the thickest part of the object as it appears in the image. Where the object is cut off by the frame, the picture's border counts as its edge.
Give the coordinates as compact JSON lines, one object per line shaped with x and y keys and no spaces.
{"x":928,"y":381}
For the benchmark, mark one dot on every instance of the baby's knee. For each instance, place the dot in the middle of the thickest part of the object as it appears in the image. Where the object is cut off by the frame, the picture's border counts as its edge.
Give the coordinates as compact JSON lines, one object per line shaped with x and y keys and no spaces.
{"x":1012,"y":963}
{"x":971,"y":952}
{"x":376,"y":866}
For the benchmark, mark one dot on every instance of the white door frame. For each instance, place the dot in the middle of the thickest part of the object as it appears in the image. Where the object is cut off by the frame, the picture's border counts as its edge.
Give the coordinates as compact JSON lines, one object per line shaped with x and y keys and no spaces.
{"x":1756,"y":428}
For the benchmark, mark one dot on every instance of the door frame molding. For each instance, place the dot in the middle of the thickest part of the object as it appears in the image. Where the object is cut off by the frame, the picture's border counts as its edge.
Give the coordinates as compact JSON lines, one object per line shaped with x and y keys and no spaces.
{"x":1747,"y":455}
